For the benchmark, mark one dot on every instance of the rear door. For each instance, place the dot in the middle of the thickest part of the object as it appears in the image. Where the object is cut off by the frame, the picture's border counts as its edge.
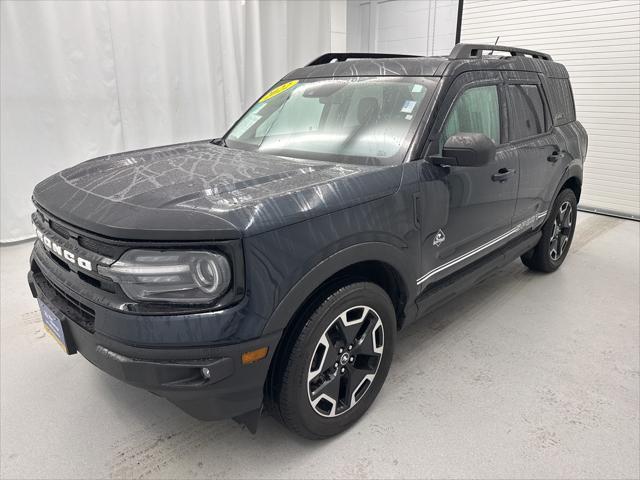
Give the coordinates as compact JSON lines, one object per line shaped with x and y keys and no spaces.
{"x":542,"y":151}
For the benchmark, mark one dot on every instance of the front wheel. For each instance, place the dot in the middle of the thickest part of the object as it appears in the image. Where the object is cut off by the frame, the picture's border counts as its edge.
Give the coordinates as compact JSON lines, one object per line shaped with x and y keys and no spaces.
{"x":339,"y":361}
{"x":557,"y":234}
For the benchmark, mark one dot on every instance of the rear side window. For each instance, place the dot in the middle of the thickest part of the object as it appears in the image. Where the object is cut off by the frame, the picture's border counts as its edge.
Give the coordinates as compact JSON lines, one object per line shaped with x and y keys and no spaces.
{"x":476,"y":111}
{"x":526,"y":111}
{"x":558,"y":92}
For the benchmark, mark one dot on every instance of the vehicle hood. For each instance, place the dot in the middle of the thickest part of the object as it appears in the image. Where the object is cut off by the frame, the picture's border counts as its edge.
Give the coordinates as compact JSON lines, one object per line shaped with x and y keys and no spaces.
{"x":201,"y":191}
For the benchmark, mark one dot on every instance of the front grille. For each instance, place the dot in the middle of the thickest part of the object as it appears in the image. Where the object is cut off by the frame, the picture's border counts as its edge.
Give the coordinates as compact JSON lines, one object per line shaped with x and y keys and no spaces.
{"x":94,"y":245}
{"x":73,"y":309}
{"x":111,"y":251}
{"x":59,"y":229}
{"x":68,"y":237}
{"x":104,"y":284}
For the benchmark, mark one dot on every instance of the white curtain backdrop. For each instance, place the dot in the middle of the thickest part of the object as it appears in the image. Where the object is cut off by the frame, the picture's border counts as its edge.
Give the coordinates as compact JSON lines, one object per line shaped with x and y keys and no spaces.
{"x":83,"y":79}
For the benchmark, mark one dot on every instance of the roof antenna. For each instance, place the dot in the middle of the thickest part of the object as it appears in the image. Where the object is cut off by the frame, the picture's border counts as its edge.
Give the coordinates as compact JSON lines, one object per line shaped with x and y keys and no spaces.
{"x":495,"y":43}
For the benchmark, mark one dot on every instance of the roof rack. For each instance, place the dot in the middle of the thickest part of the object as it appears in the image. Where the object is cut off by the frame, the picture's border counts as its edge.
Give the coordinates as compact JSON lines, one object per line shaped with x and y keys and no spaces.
{"x":473,"y":50}
{"x":341,"y":57}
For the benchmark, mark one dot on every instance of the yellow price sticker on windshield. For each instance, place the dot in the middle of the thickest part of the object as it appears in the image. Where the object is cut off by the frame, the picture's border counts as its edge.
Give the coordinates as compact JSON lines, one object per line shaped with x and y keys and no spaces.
{"x":278,"y":90}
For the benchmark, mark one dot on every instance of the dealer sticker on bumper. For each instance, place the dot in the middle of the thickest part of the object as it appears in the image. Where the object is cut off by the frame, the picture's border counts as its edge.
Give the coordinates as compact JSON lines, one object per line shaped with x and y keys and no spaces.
{"x":53,"y":325}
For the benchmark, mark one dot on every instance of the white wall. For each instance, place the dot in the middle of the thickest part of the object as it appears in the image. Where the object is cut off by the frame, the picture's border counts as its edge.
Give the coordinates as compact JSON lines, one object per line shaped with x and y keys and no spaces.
{"x":599,"y":43}
{"x":338,"y":25}
{"x":83,"y":79}
{"x":418,"y":27}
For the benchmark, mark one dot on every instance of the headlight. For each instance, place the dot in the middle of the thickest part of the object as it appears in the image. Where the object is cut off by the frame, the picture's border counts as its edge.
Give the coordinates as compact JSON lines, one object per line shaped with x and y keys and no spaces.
{"x":171,"y":276}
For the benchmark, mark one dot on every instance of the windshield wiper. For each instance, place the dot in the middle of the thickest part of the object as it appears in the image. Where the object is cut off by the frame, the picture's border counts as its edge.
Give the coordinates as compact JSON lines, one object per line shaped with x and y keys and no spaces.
{"x":220,"y":142}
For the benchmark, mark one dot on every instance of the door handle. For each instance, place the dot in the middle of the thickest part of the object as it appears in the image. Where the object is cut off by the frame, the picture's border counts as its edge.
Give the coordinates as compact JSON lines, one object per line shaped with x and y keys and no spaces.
{"x":555,"y":156}
{"x":502,"y":175}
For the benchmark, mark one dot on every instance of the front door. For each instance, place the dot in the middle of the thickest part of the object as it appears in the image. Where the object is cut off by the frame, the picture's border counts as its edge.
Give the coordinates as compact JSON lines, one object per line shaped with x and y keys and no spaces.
{"x":467,"y":211}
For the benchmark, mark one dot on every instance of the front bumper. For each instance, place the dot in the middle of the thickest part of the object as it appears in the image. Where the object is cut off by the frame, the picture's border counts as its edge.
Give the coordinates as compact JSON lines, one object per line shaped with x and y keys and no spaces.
{"x":232,"y":389}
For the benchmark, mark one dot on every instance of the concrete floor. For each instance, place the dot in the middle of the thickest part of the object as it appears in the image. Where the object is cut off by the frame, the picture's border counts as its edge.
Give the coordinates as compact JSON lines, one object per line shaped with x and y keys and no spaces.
{"x":526,"y":376}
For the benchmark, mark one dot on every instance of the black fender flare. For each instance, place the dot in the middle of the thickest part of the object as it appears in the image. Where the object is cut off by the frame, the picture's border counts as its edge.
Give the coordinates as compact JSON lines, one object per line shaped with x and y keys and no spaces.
{"x":574,"y":170}
{"x":395,"y":257}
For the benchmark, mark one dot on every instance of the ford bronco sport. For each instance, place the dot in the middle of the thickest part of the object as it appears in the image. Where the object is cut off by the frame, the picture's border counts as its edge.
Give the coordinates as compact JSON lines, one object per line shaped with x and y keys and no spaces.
{"x":273,"y":266}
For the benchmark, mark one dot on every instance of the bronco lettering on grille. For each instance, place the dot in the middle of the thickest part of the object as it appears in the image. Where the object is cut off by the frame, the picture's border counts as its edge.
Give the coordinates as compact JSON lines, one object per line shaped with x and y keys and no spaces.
{"x":62,"y":253}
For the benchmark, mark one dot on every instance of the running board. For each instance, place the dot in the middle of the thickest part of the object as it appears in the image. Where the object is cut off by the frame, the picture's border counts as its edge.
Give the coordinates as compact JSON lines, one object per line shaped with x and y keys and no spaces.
{"x":442,"y":291}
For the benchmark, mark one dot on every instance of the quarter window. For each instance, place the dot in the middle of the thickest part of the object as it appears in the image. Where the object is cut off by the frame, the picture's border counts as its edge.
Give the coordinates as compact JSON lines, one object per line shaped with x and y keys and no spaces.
{"x":476,"y":111}
{"x":526,"y":111}
{"x":560,"y":100}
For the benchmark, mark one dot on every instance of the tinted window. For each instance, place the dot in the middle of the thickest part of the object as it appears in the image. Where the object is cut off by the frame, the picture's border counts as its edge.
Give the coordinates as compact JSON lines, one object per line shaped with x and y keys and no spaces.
{"x":476,"y":111}
{"x":526,"y":111}
{"x":561,"y":99}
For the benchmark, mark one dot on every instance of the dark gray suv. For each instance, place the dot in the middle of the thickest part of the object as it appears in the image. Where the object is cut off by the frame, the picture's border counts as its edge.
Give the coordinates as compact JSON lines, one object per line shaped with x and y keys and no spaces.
{"x":273,"y":266}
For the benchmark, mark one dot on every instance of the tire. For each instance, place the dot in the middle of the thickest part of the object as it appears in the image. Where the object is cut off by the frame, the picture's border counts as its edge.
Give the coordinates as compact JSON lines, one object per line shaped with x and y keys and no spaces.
{"x":315,"y":398}
{"x":557,"y":234}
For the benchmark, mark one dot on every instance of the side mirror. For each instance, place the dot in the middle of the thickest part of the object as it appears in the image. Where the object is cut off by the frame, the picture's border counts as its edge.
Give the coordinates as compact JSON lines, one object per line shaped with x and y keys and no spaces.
{"x":466,"y":150}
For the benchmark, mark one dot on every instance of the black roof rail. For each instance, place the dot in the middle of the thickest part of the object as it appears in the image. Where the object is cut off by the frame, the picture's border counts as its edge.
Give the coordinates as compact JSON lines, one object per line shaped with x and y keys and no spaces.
{"x":341,"y":57}
{"x":473,"y":50}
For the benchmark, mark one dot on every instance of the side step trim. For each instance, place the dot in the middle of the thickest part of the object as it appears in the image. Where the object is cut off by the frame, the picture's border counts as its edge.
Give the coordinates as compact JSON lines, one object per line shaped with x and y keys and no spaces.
{"x":513,"y":231}
{"x":443,"y":290}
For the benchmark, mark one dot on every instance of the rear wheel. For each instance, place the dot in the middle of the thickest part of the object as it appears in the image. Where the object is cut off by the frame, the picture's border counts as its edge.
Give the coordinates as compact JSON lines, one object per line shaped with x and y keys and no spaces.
{"x":339,"y":361}
{"x":557,"y":234}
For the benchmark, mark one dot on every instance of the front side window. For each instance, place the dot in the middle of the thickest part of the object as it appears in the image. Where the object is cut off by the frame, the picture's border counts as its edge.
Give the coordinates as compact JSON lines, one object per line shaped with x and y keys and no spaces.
{"x":477,"y":110}
{"x":358,"y":120}
{"x":526,"y":111}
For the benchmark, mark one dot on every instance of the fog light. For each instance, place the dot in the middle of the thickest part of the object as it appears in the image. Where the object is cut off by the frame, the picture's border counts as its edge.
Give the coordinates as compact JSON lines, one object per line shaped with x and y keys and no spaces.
{"x":205,"y":372}
{"x":254,"y":355}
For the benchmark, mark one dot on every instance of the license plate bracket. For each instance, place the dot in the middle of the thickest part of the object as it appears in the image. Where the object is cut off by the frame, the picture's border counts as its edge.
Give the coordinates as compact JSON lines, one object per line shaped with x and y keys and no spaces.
{"x":57,"y":328}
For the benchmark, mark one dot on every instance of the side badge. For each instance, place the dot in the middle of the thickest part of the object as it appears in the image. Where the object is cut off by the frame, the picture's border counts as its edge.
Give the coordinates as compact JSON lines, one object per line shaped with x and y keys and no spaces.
{"x":439,"y":238}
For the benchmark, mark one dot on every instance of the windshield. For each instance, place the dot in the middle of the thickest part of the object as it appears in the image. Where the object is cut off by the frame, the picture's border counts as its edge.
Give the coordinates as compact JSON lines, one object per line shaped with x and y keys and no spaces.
{"x":356,"y":120}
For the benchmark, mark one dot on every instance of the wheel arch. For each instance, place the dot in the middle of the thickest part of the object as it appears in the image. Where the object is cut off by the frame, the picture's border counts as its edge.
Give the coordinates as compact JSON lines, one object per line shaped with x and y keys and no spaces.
{"x":362,"y":261}
{"x":357,"y":263}
{"x":575,"y":184}
{"x":572,"y":179}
